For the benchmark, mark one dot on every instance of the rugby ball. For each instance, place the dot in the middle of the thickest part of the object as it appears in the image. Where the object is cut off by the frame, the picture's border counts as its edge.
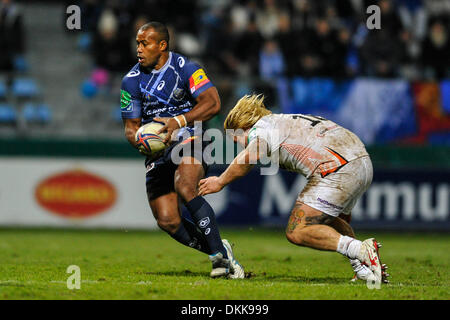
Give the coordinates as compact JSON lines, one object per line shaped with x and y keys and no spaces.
{"x":148,"y":141}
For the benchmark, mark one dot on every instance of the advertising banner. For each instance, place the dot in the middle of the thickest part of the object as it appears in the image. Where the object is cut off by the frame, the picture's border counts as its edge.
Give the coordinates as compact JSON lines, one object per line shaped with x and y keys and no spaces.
{"x":397,"y":199}
{"x":73,"y":193}
{"x":87,"y":193}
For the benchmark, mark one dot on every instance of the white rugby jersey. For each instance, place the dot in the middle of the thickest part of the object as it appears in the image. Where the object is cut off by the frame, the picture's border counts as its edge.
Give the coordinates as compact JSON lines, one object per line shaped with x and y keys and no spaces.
{"x":306,"y":143}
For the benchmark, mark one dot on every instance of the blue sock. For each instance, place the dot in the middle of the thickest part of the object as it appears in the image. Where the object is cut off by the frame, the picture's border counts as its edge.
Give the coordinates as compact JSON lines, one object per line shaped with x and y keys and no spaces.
{"x":189,"y":236}
{"x":196,"y":234}
{"x":203,"y":215}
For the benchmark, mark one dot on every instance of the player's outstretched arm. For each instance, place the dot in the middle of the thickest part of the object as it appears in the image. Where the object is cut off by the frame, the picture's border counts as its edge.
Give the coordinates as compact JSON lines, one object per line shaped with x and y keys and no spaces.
{"x":131,"y":126}
{"x":239,"y":167}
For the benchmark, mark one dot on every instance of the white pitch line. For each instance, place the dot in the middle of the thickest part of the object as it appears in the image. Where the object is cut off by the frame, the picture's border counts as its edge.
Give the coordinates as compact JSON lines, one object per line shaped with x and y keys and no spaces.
{"x":33,"y":282}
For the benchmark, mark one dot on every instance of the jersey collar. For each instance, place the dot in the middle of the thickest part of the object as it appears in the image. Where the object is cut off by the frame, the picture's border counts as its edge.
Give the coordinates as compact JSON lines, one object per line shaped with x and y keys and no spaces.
{"x":166,"y":65}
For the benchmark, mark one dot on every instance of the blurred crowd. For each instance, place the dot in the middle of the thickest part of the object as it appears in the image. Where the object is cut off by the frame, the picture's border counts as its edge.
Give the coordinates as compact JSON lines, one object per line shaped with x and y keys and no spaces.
{"x":282,"y":48}
{"x":268,"y":38}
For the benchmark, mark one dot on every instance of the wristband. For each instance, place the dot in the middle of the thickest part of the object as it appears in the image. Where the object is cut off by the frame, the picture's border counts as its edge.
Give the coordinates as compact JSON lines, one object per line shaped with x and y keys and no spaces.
{"x":185,"y":121}
{"x":178,"y":121}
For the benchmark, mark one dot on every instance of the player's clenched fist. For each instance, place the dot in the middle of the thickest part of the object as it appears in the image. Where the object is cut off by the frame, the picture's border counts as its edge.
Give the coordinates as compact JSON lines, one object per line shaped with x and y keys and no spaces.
{"x":209,"y":185}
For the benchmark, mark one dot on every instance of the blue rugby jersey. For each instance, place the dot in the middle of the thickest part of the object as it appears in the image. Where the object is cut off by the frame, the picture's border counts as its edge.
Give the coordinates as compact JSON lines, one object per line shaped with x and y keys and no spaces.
{"x":167,"y":92}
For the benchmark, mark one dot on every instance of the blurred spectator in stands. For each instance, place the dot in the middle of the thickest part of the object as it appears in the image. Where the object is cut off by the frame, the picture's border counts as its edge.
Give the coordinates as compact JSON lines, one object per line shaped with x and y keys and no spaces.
{"x":326,"y":38}
{"x":111,"y":51}
{"x":219,"y":38}
{"x":90,"y":12}
{"x":267,"y":18}
{"x":308,"y":61}
{"x":381,"y":54}
{"x":324,"y":41}
{"x":240,"y":13}
{"x":247,"y":49}
{"x":333,"y":19}
{"x":11,"y":34}
{"x":390,"y":18}
{"x":436,"y":50}
{"x":288,"y":40}
{"x":414,"y":18}
{"x":343,"y":67}
{"x":383,"y":51}
{"x":303,"y":16}
{"x":271,"y":61}
{"x":324,"y":52}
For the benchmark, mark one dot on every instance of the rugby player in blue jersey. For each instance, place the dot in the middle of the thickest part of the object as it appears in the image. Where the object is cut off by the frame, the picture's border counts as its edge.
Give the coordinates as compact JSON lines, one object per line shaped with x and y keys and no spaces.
{"x":166,"y":87}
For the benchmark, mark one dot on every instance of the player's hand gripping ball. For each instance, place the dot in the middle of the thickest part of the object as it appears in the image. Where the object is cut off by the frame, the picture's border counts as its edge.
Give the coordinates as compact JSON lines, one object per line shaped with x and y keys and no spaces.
{"x":148,"y":141}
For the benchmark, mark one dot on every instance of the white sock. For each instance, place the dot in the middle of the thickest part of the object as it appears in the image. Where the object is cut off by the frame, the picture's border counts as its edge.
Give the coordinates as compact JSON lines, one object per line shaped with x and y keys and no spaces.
{"x":349,"y":247}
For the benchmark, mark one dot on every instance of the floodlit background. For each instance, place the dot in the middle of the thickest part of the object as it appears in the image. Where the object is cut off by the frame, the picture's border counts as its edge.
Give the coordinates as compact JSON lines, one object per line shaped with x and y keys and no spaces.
{"x":64,"y":160}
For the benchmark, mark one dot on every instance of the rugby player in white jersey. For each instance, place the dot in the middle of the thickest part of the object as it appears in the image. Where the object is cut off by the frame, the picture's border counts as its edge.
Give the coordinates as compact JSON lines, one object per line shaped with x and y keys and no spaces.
{"x":334,"y":161}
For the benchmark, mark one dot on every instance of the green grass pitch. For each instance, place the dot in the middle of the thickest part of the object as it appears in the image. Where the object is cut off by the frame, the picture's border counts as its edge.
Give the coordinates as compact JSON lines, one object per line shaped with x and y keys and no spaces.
{"x":151,"y":265}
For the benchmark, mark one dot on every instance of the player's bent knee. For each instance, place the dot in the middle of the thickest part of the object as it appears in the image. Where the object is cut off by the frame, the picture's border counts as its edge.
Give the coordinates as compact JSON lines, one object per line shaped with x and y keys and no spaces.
{"x":186,"y":191}
{"x":169,"y":225}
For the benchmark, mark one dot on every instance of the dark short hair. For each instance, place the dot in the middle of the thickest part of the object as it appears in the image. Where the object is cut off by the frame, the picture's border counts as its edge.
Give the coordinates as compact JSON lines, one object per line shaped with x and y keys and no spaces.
{"x":160,"y":28}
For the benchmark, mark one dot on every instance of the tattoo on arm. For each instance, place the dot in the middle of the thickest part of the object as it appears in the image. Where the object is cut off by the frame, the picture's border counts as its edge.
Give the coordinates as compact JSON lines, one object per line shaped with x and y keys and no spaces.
{"x":321,"y":219}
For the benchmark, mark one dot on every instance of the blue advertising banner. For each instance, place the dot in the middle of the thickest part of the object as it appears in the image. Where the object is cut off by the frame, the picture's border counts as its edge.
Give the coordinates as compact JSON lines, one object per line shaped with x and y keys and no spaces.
{"x":397,"y":199}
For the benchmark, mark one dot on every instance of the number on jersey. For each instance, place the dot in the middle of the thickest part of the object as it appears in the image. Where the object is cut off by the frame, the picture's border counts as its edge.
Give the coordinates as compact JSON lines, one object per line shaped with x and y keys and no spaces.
{"x":314,"y":119}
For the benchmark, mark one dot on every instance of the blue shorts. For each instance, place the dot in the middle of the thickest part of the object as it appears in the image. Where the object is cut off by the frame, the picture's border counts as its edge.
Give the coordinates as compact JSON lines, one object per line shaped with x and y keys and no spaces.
{"x":160,"y":173}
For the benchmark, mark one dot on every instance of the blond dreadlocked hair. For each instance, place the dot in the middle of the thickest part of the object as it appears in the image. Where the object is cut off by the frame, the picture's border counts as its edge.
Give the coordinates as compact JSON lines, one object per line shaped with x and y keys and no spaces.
{"x":247,"y":111}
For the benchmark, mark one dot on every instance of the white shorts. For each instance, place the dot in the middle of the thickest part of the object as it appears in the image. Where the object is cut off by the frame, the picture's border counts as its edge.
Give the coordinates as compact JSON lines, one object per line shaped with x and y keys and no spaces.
{"x":338,"y":192}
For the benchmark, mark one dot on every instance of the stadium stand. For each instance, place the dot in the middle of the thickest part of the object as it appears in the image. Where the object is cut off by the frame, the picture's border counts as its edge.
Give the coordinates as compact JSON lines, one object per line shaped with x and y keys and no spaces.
{"x":21,"y":64}
{"x":25,"y":88}
{"x":37,"y":113}
{"x":8,"y":114}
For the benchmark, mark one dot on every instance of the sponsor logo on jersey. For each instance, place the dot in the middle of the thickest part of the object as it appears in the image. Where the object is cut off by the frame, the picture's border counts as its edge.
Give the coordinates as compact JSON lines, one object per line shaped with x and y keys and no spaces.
{"x":150,"y":167}
{"x":75,"y":194}
{"x":330,"y":167}
{"x":197,"y":80}
{"x":181,"y":62}
{"x":325,"y":202}
{"x":125,"y":101}
{"x":133,"y":73}
{"x":178,"y":93}
{"x":161,"y":85}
